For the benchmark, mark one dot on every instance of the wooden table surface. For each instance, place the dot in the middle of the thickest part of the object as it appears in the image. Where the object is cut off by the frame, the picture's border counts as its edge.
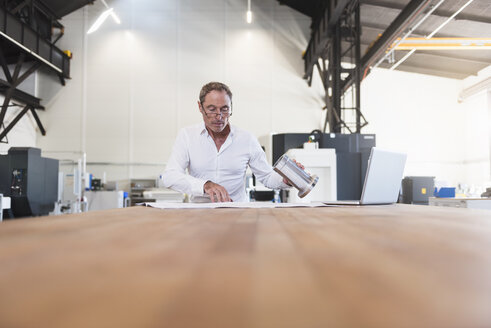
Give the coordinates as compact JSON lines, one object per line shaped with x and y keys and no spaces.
{"x":380,"y":266}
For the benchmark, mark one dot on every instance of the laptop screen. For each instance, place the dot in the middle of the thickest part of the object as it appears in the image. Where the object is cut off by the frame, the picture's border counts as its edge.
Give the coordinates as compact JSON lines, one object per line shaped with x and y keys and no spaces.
{"x":383,"y":178}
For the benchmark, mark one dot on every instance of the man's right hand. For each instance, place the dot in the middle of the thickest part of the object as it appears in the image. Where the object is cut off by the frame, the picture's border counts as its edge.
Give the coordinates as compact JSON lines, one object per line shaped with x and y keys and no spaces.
{"x":216,"y":192}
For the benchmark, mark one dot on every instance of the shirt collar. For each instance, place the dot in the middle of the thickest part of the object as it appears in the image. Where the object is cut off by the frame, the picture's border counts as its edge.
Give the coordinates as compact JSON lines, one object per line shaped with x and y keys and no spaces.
{"x":204,"y":131}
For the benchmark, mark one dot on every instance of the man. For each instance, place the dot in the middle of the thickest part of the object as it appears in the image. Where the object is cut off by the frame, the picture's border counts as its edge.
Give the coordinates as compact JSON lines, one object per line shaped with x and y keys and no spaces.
{"x":216,"y":154}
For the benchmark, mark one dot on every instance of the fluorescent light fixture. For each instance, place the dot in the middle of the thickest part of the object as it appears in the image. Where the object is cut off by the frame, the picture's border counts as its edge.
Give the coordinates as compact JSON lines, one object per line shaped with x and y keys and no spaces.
{"x":402,"y":60}
{"x":100,"y":20}
{"x":249,"y":12}
{"x":408,"y":33}
{"x":429,"y":36}
{"x":115,"y":18}
{"x":103,"y":17}
{"x":449,"y":19}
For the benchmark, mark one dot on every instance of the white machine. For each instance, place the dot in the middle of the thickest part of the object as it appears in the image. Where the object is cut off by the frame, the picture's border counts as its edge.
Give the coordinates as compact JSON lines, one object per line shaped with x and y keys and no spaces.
{"x":104,"y":200}
{"x":4,"y":205}
{"x":320,"y":162}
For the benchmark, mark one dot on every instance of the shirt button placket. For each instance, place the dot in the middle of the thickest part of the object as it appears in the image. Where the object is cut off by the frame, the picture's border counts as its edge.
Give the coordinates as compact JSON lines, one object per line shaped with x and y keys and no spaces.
{"x":216,"y":167}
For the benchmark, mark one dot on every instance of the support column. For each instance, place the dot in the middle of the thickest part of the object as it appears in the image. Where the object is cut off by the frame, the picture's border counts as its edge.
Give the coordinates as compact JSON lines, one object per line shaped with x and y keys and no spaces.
{"x":357,"y":71}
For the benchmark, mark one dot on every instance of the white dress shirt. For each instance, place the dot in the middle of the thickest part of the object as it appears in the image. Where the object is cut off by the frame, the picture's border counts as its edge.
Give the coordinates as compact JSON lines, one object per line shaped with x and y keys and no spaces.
{"x":195,"y":150}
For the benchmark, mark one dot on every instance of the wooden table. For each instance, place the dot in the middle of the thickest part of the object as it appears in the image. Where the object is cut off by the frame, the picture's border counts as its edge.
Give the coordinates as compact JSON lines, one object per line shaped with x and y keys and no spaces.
{"x":380,"y":266}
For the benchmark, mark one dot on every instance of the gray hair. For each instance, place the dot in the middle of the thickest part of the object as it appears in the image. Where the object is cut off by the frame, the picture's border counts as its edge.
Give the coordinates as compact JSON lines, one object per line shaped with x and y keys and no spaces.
{"x":211,"y":86}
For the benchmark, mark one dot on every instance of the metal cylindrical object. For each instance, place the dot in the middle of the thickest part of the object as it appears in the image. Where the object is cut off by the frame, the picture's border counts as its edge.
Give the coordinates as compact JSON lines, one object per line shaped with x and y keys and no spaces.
{"x":300,"y":179}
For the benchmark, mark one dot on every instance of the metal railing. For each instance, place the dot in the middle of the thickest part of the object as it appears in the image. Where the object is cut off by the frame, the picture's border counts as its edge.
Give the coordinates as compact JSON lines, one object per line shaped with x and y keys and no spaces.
{"x":26,"y":38}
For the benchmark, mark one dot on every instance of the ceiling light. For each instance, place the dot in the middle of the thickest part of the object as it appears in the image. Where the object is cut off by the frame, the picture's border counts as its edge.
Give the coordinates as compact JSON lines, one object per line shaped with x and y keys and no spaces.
{"x":99,"y":21}
{"x":113,"y":14}
{"x":249,"y":12}
{"x":103,"y":17}
{"x":429,"y":36}
{"x":115,"y":18}
{"x":449,"y":19}
{"x":408,"y":33}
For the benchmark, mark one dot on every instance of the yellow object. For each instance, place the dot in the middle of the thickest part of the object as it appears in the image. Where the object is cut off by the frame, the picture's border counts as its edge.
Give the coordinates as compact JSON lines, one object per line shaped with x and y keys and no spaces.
{"x":423,"y":191}
{"x":443,"y":43}
{"x":68,"y":53}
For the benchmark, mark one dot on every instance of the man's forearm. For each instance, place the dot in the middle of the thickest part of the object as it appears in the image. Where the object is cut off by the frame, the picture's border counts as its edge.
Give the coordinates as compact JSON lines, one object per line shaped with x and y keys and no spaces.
{"x":184,"y":183}
{"x":274,"y":181}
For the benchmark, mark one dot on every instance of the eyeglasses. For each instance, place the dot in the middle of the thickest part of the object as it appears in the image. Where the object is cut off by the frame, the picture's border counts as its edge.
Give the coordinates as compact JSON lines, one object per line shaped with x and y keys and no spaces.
{"x":222,"y":113}
{"x":215,"y":113}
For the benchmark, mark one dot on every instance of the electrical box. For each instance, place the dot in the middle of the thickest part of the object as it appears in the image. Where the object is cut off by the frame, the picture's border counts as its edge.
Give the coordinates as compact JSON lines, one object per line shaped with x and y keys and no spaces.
{"x":417,"y":190}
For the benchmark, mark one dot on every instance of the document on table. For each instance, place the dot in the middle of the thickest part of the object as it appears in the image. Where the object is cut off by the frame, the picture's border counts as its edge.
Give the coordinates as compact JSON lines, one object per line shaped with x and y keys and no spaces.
{"x":169,"y":205}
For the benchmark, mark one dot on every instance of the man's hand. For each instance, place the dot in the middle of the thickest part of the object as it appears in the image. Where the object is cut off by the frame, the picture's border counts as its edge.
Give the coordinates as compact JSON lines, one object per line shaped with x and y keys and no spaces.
{"x":216,"y":192}
{"x":285,"y":181}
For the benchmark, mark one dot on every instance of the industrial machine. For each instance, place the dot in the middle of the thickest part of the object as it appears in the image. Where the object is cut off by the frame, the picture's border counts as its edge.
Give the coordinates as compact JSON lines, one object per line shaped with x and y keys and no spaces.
{"x":31,"y":181}
{"x":352,"y":153}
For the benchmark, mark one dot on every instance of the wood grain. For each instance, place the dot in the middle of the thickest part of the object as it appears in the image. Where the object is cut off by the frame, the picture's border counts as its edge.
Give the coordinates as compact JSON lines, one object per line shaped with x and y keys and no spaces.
{"x":380,"y":266}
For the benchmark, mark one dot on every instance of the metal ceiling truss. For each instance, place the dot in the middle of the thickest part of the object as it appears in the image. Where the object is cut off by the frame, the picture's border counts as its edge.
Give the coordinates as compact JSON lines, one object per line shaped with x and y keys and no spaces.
{"x":437,"y":13}
{"x":338,"y":37}
{"x":26,"y":28}
{"x":402,"y":22}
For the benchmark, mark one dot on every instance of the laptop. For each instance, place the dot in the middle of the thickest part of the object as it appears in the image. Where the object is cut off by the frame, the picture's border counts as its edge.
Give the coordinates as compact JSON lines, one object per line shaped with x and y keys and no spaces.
{"x":382,"y":180}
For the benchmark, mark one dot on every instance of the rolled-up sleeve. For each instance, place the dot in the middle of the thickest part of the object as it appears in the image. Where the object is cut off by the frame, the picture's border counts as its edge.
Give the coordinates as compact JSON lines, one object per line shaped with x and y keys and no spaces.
{"x":175,"y":176}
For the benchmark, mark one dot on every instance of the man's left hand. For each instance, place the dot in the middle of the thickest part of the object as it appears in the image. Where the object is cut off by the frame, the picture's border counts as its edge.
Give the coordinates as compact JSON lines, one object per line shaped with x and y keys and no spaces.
{"x":285,"y":181}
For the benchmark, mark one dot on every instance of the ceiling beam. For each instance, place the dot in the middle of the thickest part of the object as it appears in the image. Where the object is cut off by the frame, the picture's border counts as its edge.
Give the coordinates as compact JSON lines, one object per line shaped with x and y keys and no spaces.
{"x":380,"y":28}
{"x":405,"y":18}
{"x":480,"y":60}
{"x":416,"y":33}
{"x":440,"y":72}
{"x":483,"y":61}
{"x":438,"y":12}
{"x":400,"y":23}
{"x":428,"y":64}
{"x":431,"y":71}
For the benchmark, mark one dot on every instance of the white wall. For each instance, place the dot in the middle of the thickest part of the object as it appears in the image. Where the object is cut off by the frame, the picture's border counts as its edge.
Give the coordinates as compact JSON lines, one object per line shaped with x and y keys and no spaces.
{"x":476,"y":101}
{"x":476,"y":137}
{"x":421,"y":115}
{"x":134,"y":85}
